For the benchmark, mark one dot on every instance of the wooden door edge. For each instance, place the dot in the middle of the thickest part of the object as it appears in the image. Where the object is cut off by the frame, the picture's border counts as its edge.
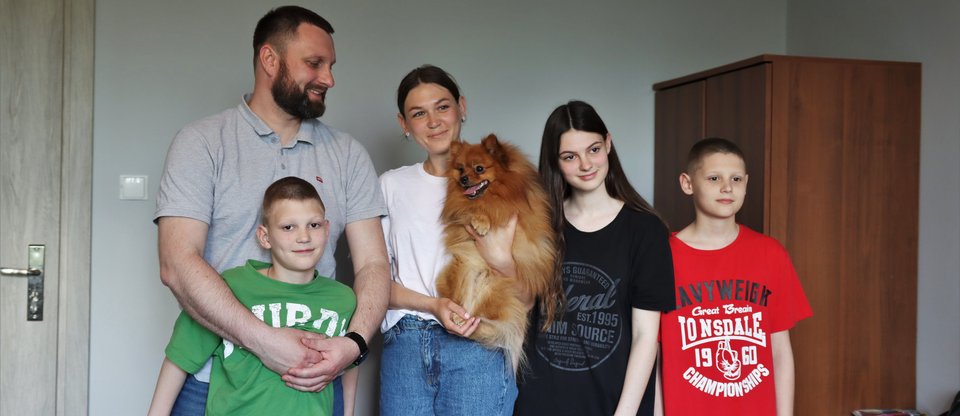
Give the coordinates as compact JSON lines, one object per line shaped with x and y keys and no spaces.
{"x":73,"y":349}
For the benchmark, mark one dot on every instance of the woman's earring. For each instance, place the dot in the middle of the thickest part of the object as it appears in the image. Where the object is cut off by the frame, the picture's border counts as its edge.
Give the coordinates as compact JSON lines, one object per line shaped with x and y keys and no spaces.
{"x":406,"y":134}
{"x":463,"y":119}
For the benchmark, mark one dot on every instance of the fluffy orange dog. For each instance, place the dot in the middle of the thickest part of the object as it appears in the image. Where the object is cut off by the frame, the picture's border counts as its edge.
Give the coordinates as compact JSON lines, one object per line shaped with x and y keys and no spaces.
{"x":488,"y":183}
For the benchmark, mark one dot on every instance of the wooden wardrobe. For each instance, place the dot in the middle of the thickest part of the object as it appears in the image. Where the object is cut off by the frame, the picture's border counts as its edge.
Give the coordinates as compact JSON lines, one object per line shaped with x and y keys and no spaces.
{"x":833,"y":153}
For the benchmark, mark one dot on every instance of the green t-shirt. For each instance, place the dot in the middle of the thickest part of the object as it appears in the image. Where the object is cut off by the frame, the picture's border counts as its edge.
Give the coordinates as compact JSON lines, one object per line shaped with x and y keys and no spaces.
{"x":239,"y":383}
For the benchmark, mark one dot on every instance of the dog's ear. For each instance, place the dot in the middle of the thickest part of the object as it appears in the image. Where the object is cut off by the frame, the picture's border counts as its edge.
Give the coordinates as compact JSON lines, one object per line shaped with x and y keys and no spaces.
{"x":491,"y":143}
{"x":455,"y":147}
{"x":493,"y":147}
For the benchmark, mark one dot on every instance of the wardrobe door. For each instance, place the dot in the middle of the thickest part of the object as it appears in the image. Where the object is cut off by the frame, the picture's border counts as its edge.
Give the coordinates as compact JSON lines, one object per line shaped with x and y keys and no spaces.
{"x":844,"y":192}
{"x":679,"y":124}
{"x":737,"y":109}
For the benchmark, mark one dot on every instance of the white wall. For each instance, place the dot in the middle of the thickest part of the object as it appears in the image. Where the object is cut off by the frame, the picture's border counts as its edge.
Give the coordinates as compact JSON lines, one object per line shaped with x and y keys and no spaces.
{"x":925,"y":32}
{"x":160,"y":65}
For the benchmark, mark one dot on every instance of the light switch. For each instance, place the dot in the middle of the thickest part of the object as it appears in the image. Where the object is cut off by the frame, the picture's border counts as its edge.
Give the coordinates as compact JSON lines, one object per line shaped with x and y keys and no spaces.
{"x":133,"y":187}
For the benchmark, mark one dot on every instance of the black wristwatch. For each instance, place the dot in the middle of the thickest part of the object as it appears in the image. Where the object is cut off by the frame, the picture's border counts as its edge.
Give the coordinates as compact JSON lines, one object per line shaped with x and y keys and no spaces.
{"x":360,"y":344}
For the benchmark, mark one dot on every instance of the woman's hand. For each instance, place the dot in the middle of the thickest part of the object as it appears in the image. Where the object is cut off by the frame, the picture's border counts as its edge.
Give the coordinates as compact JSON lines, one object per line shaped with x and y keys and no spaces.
{"x":454,"y":318}
{"x":496,"y":247}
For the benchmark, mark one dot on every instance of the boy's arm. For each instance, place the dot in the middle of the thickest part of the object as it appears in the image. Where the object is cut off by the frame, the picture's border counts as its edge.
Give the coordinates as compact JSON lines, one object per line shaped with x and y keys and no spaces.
{"x":643,"y":355}
{"x":349,"y":379}
{"x":783,"y":371}
{"x":169,"y":384}
{"x":658,"y":398}
{"x":206,"y":297}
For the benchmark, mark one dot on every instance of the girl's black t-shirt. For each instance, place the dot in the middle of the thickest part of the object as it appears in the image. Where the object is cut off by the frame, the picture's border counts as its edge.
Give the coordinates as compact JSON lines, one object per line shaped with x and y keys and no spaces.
{"x":578,"y":365}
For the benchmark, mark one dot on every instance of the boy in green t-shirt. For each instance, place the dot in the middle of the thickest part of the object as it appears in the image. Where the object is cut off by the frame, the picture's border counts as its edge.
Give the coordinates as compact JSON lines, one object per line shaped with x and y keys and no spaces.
{"x":285,"y":293}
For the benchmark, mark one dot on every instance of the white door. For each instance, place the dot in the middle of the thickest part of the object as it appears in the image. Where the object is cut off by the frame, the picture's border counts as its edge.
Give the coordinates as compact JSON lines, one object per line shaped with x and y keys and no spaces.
{"x":46,"y":80}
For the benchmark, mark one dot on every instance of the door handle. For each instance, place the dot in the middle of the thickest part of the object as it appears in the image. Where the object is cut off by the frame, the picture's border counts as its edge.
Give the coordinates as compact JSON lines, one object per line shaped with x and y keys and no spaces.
{"x":20,"y":272}
{"x":34,"y":274}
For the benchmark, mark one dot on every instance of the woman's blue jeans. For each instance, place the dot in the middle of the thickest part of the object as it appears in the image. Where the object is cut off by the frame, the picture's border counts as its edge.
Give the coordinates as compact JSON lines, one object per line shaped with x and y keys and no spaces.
{"x":427,"y":371}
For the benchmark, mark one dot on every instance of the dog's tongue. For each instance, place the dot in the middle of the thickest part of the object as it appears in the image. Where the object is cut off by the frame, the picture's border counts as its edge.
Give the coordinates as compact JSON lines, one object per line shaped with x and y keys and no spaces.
{"x":472,"y":190}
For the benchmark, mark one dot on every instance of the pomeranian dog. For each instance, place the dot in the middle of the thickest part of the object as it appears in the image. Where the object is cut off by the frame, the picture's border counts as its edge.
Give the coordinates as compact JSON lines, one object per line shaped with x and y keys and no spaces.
{"x":487,"y":184}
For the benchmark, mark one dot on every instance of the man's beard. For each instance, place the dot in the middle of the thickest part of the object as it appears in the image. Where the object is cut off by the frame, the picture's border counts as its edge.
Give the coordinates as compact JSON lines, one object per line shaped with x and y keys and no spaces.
{"x":292,"y":99}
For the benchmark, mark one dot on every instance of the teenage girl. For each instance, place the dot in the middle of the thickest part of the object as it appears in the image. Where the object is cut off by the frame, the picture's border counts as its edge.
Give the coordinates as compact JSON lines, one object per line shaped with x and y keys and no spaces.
{"x":597,"y":358}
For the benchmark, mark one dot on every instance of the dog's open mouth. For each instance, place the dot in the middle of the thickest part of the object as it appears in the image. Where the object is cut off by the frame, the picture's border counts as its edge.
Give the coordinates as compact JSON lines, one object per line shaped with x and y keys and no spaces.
{"x":475,"y":191}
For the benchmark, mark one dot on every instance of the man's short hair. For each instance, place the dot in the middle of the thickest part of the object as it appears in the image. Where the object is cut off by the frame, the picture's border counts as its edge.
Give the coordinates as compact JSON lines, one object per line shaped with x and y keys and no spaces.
{"x":279,"y":25}
{"x":289,"y":188}
{"x":709,"y":146}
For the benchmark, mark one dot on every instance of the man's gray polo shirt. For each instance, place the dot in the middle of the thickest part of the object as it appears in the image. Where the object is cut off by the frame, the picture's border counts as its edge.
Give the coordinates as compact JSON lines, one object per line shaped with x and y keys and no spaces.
{"x":217,"y":169}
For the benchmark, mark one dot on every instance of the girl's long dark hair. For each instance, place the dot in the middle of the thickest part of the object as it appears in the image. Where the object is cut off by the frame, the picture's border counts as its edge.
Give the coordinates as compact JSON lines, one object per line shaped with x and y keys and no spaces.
{"x":578,"y":115}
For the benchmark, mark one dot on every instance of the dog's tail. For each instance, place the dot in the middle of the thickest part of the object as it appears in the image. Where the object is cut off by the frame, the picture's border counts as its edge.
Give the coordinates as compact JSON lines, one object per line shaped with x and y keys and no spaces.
{"x":505,"y":334}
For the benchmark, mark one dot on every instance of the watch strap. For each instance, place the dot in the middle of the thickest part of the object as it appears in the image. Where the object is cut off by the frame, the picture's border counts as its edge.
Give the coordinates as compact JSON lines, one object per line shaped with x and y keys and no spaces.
{"x":361,"y":344}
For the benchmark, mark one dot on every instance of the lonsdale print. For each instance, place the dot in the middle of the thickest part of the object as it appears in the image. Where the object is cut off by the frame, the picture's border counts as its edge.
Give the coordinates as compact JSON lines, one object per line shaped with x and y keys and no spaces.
{"x":725,"y":339}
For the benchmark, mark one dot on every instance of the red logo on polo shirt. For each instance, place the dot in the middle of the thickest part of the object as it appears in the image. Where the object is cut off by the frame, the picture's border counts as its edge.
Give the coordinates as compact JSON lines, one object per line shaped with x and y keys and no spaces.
{"x":319,"y":179}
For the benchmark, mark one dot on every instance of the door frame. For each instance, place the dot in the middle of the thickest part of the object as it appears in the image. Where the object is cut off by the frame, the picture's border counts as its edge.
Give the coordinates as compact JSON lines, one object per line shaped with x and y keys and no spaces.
{"x":76,"y":193}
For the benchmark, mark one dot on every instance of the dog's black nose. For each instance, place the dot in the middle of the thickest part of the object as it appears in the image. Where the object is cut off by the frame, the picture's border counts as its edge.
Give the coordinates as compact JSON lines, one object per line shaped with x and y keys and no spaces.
{"x":464,"y":180}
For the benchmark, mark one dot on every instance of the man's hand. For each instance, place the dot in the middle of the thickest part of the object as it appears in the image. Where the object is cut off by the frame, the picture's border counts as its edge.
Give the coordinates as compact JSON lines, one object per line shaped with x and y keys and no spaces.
{"x":336,"y":354}
{"x":282,"y":349}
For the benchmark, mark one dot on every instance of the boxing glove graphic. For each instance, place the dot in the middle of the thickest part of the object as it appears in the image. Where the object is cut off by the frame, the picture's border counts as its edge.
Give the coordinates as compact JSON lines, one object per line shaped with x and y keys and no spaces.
{"x":727,"y":361}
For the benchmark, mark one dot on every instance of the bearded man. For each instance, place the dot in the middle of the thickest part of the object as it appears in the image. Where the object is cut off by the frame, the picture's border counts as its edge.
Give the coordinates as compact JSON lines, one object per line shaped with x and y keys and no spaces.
{"x":217,"y":169}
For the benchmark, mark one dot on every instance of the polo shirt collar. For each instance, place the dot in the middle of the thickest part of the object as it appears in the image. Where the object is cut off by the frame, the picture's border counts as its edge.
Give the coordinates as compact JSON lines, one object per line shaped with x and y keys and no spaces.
{"x":305,"y":134}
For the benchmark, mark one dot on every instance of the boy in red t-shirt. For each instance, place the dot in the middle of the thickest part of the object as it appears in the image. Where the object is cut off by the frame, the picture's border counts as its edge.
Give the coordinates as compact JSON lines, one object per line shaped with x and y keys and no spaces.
{"x":726,"y":348}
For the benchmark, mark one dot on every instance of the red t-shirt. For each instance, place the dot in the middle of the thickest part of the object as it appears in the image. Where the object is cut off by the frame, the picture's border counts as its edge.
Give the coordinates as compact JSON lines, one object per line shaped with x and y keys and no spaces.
{"x":717,"y":357}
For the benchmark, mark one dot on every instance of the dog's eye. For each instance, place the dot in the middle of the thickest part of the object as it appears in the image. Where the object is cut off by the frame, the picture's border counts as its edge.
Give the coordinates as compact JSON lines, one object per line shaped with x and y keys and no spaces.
{"x":478,"y":169}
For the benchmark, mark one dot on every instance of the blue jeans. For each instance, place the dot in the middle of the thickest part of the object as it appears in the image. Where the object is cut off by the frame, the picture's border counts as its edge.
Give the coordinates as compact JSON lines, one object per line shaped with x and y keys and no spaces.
{"x":427,"y":371}
{"x":192,"y":400}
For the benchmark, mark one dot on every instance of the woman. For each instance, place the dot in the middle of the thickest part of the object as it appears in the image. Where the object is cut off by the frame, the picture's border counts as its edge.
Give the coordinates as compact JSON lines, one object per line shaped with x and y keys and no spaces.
{"x":597,"y":358}
{"x":429,"y":366}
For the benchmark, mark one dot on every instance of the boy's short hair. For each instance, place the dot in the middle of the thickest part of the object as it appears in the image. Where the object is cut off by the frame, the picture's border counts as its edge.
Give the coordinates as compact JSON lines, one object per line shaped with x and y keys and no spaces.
{"x":709,"y":146}
{"x":289,"y":188}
